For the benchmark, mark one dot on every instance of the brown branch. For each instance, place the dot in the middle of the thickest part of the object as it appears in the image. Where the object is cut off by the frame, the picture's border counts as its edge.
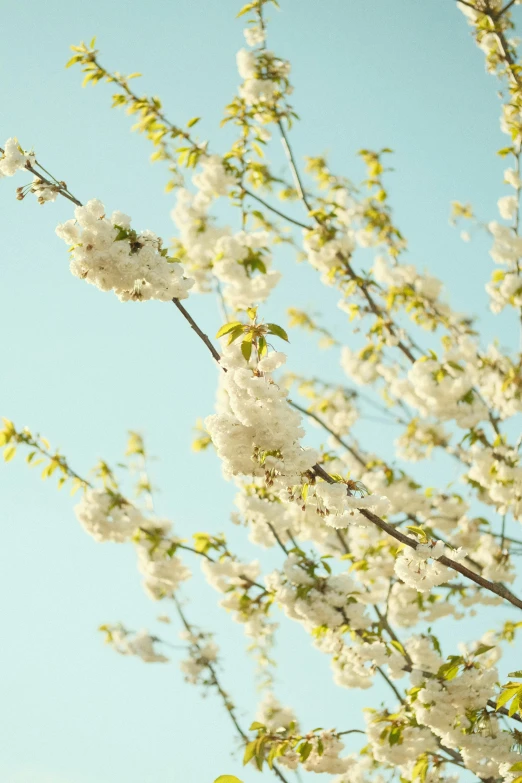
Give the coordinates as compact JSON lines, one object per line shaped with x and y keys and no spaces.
{"x":277,"y":211}
{"x":493,"y":587}
{"x":199,"y":332}
{"x":506,"y":8}
{"x":325,"y":426}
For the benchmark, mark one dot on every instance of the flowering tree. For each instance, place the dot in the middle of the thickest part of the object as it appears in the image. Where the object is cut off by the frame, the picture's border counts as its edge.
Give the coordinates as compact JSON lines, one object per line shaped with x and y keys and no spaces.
{"x":369,"y":561}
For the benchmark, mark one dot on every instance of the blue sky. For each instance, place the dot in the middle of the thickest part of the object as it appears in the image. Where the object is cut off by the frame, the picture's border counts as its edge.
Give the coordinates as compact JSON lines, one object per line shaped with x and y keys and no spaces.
{"x":82,"y":368}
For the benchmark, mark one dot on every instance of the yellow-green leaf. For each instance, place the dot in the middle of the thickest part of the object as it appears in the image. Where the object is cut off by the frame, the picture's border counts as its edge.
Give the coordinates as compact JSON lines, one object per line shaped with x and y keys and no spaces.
{"x":9,"y":453}
{"x":75,"y":59}
{"x":250,"y":752}
{"x":418,"y":531}
{"x":513,"y":707}
{"x":278,"y":331}
{"x":506,"y":696}
{"x":226,"y":328}
{"x":235,"y":333}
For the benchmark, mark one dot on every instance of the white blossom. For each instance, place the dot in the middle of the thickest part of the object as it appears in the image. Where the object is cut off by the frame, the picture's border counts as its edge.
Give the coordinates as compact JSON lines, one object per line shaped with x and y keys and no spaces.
{"x":108,"y":254}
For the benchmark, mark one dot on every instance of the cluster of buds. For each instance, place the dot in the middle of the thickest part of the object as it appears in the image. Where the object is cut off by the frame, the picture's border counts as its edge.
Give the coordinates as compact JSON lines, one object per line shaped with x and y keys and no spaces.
{"x":43,"y":190}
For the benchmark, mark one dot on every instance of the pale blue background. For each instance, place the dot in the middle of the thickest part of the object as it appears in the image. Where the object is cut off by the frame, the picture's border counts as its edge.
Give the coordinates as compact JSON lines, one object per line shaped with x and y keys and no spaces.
{"x":81,"y":368}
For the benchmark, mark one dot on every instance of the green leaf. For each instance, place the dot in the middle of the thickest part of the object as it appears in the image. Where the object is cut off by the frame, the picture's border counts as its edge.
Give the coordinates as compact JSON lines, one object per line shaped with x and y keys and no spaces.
{"x":227,"y":328}
{"x":123,"y":233}
{"x":395,"y":737}
{"x":449,"y":670}
{"x":227,"y":779}
{"x":305,"y":750}
{"x":278,"y":331}
{"x":452,"y":672}
{"x":256,"y":725}
{"x":518,"y":673}
{"x":246,"y":349}
{"x":193,"y":121}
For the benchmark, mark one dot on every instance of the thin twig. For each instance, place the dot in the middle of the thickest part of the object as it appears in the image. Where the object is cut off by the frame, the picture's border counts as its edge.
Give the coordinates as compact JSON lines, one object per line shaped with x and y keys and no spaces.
{"x":199,"y":332}
{"x":277,"y":211}
{"x":226,"y":701}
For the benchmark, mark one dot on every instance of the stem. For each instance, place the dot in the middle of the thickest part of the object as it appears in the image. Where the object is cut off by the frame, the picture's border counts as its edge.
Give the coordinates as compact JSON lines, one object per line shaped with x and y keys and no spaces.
{"x":392,"y":686}
{"x":199,"y":332}
{"x":277,"y":211}
{"x":63,"y":191}
{"x":230,"y":708}
{"x":274,"y":533}
{"x":325,"y":426}
{"x":350,"y":731}
{"x":175,"y":130}
{"x":187,"y":548}
{"x":502,"y":539}
{"x":228,"y":704}
{"x":293,"y":167}
{"x":506,"y":8}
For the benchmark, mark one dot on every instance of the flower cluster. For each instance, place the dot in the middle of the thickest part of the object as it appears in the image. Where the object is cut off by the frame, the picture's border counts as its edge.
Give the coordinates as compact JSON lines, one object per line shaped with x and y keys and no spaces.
{"x":126,"y":642}
{"x":505,"y":287}
{"x":239,"y":262}
{"x":106,"y":516}
{"x":265,"y":80}
{"x":418,"y":568}
{"x":279,"y":736}
{"x":238,"y":258}
{"x":109,"y":254}
{"x":255,"y":432}
{"x":497,"y":473}
{"x":14,"y":158}
{"x":202,"y":652}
